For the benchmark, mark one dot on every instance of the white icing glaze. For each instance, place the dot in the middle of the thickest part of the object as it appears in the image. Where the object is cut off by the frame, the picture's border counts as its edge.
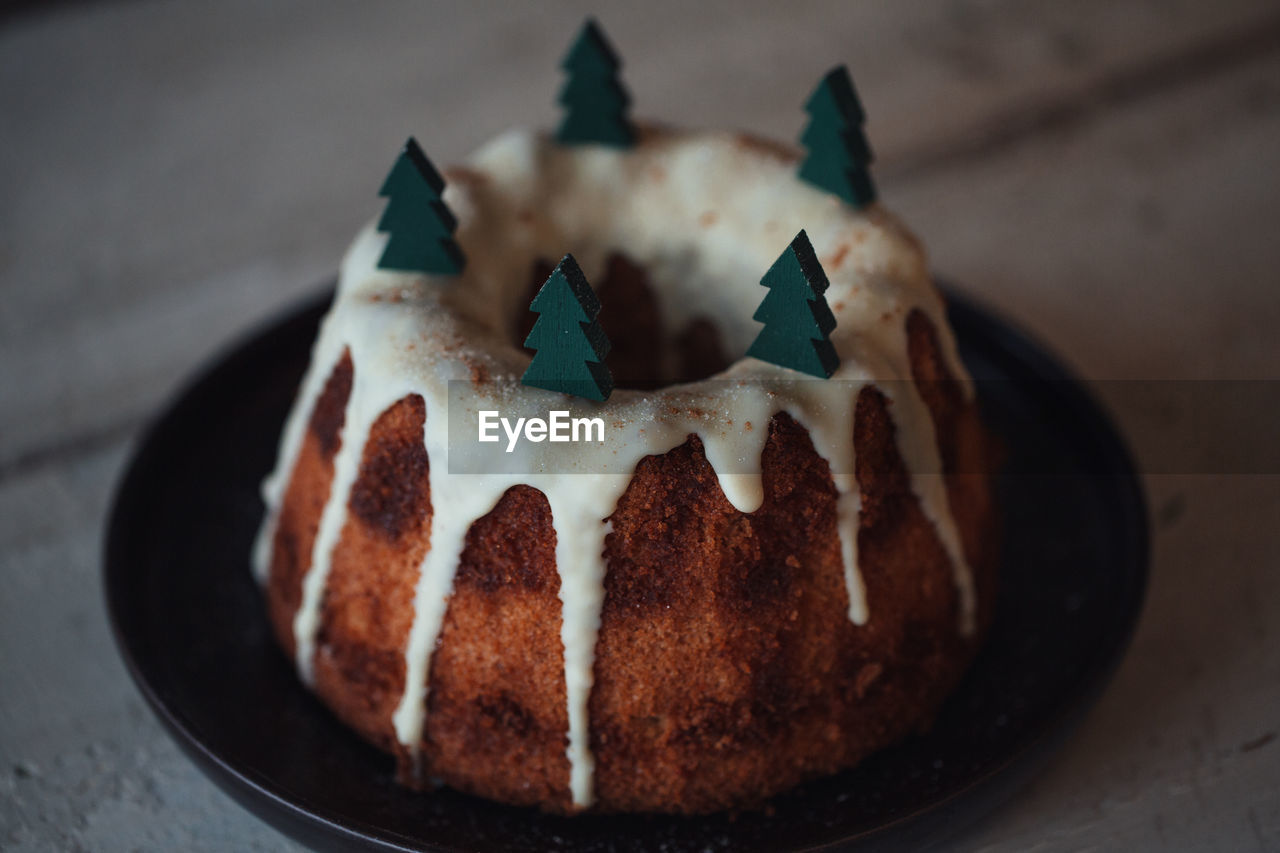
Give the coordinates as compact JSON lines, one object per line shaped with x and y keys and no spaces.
{"x":706,"y":215}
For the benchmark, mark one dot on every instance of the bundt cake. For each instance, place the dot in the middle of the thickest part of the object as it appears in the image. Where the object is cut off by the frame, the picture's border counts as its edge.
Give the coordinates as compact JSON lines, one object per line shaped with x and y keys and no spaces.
{"x":755,"y":578}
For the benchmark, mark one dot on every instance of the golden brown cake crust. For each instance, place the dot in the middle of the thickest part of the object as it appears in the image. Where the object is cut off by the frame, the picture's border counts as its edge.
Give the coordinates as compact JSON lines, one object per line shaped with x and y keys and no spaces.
{"x":727,"y":668}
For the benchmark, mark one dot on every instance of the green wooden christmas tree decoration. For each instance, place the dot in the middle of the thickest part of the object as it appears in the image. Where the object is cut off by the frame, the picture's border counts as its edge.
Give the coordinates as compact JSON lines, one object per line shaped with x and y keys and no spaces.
{"x":797,"y":321}
{"x":419,"y":223}
{"x":570,"y":345}
{"x":838,"y":152}
{"x":594,"y":98}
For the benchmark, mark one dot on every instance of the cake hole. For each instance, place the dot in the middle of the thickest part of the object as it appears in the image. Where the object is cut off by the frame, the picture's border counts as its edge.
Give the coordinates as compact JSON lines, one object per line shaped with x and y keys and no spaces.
{"x":645,"y":355}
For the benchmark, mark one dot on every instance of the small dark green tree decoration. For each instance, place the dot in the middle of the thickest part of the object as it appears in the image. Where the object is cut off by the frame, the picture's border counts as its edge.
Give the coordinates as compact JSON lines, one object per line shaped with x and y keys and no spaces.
{"x":594,"y":98}
{"x":838,"y":151}
{"x":797,"y":321}
{"x":420,"y":225}
{"x":570,"y":345}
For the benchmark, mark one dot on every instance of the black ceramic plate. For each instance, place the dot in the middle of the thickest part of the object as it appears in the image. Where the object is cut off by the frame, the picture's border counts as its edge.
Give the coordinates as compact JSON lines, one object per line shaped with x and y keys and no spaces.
{"x":191,"y":626}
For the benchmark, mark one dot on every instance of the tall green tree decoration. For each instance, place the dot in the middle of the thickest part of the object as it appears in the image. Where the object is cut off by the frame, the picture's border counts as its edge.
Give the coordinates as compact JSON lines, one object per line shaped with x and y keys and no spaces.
{"x":594,"y":98}
{"x":797,"y":321}
{"x":420,"y":224}
{"x":570,"y":345}
{"x":838,"y":151}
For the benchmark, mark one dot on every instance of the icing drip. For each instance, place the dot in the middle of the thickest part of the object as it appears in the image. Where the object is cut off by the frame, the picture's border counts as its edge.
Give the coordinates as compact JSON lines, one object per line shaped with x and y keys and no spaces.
{"x":831,"y":430}
{"x":367,"y":400}
{"x":579,"y":517}
{"x":919,"y":448}
{"x":416,"y":335}
{"x":452,"y":512}
{"x":346,"y":465}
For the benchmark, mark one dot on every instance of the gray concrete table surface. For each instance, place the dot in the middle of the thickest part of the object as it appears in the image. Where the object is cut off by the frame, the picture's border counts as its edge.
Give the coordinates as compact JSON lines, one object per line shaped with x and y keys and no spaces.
{"x":1106,"y":173}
